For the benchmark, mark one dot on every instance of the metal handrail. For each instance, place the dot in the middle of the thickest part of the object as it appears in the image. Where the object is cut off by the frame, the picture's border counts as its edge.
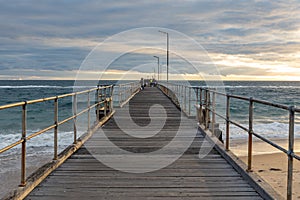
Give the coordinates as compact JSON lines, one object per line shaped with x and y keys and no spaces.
{"x":289,"y":152}
{"x":203,"y":97}
{"x":126,"y":90}
{"x":103,"y":103}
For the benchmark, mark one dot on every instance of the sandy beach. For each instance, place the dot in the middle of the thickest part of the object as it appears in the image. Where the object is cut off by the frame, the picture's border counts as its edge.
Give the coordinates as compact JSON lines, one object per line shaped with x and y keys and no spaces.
{"x":271,"y":165}
{"x":10,"y":172}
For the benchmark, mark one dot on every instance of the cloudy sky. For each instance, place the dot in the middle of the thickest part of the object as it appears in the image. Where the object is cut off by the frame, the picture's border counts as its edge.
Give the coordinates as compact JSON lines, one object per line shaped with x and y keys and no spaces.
{"x":246,"y":40}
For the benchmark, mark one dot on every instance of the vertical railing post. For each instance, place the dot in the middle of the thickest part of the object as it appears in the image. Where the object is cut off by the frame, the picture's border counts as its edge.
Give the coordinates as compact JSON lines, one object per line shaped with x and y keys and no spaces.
{"x":98,"y":105}
{"x":227,"y":121}
{"x":111,"y":98}
{"x":184,"y":98}
{"x":206,"y":109}
{"x":197,"y":103}
{"x":213,"y":121}
{"x":23,"y":159}
{"x":89,"y":111}
{"x":182,"y":89}
{"x":55,"y":128}
{"x":122,"y":93}
{"x":167,"y":89}
{"x":105,"y":101}
{"x":75,"y":118}
{"x":201,"y":112}
{"x":190,"y":100}
{"x":197,"y":95}
{"x":290,"y":152}
{"x":119,"y":96}
{"x":126,"y":92}
{"x":250,"y":134}
{"x":117,"y":93}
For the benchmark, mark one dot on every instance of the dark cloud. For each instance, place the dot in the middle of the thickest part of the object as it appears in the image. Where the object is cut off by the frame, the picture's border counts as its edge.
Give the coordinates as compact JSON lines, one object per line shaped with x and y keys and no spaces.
{"x":31,"y":30}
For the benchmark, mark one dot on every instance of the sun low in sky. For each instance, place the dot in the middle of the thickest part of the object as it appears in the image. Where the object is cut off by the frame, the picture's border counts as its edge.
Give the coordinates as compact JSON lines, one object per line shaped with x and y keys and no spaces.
{"x":246,"y":40}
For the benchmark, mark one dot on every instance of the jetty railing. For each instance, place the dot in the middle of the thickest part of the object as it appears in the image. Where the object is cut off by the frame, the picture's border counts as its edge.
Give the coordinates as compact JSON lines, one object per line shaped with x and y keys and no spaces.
{"x":102,"y":103}
{"x":206,"y":108}
{"x":123,"y":92}
{"x":181,"y":95}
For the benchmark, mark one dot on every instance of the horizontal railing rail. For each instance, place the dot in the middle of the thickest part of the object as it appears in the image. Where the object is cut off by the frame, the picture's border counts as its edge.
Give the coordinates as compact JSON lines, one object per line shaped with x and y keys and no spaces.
{"x":104,"y":97}
{"x":206,"y":108}
{"x":103,"y":105}
{"x":181,"y":95}
{"x":125,"y":91}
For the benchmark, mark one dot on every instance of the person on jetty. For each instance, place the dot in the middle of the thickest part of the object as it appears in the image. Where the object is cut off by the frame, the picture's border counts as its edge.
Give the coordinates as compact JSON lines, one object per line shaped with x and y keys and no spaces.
{"x":142,"y":82}
{"x":153,"y":82}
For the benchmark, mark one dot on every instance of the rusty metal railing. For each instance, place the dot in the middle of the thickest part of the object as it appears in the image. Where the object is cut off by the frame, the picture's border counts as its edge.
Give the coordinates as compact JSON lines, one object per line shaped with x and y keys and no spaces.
{"x":125,"y":91}
{"x":103,"y":106}
{"x":181,"y":95}
{"x":206,"y":108}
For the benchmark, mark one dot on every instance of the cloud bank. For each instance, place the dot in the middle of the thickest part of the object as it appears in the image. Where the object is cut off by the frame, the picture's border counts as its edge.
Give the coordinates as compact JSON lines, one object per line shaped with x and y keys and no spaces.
{"x":246,"y":39}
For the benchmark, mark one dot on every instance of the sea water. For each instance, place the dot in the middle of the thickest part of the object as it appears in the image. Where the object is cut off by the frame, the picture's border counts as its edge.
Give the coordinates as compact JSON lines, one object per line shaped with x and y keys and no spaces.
{"x":269,"y":121}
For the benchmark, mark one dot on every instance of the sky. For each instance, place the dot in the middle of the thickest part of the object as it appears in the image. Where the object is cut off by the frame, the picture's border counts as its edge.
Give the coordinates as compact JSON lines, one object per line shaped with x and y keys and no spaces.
{"x":245,"y":39}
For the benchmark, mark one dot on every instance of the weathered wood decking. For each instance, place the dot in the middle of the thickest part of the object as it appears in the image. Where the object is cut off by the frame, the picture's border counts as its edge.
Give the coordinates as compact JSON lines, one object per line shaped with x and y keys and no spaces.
{"x":82,"y":176}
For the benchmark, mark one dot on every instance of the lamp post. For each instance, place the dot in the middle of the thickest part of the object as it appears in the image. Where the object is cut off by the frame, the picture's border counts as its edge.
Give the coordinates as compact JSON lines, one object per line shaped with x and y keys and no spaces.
{"x":157,"y":66}
{"x":167,"y":52}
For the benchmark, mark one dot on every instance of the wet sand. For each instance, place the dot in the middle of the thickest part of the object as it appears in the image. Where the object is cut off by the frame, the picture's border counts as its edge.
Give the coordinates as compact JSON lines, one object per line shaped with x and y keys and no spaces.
{"x":10,"y":172}
{"x":271,"y":165}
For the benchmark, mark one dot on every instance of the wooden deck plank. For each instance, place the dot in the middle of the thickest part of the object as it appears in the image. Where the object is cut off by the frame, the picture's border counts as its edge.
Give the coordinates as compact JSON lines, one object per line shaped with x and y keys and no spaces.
{"x":82,"y":176}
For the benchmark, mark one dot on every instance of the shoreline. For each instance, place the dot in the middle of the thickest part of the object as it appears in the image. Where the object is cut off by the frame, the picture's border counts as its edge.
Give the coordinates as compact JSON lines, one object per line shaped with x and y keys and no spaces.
{"x":271,"y":164}
{"x":240,"y":146}
{"x":10,"y":172}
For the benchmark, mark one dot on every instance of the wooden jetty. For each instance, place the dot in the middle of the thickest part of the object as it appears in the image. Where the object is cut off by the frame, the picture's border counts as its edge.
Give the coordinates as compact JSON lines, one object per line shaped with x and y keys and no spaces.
{"x":82,"y":176}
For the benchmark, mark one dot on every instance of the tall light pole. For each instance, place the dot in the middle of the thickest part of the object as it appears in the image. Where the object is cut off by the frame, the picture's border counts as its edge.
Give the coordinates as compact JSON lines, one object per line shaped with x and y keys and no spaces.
{"x":167,"y":52}
{"x":157,"y":67}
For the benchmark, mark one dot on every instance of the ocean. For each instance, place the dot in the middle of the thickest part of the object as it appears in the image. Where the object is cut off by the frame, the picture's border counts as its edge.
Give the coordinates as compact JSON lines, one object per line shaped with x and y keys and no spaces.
{"x":270,"y":122}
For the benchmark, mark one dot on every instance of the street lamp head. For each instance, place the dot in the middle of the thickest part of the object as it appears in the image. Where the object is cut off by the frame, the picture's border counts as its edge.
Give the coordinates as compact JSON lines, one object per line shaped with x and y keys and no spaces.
{"x":163,"y":32}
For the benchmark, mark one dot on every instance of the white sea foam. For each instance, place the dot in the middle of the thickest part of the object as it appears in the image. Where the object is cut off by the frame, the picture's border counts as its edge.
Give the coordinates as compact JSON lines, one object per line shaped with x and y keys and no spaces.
{"x":44,"y":141}
{"x":268,"y":130}
{"x":41,"y":86}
